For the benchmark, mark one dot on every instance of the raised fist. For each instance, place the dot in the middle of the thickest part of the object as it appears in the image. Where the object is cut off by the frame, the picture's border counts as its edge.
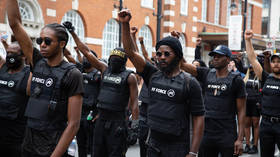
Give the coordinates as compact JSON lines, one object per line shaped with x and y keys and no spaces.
{"x":133,"y":30}
{"x":267,"y":53}
{"x":124,"y":16}
{"x":68,"y":25}
{"x":175,"y":34}
{"x":248,"y":34}
{"x":141,"y":39}
{"x":198,"y":42}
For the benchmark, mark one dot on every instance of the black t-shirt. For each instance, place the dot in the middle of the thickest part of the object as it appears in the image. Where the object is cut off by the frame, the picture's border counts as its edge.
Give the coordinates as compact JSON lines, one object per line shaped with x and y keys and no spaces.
{"x":196,"y":101}
{"x":196,"y":107}
{"x":238,"y":85}
{"x":220,"y":131}
{"x":73,"y":82}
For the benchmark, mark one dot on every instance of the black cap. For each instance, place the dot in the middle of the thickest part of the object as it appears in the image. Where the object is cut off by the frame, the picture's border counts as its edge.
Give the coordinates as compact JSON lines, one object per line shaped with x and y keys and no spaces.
{"x":172,"y":42}
{"x":222,"y":50}
{"x":275,"y":55}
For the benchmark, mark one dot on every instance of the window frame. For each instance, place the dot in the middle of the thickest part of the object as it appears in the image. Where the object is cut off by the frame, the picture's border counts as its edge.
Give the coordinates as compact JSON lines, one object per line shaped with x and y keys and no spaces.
{"x":110,"y":37}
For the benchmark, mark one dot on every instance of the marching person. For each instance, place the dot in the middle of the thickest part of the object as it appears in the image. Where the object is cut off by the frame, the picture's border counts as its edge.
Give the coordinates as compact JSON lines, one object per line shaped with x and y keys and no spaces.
{"x":14,"y":75}
{"x":54,"y":107}
{"x":170,"y":101}
{"x":92,"y":78}
{"x":270,"y":110}
{"x":118,"y":90}
{"x":224,"y":98}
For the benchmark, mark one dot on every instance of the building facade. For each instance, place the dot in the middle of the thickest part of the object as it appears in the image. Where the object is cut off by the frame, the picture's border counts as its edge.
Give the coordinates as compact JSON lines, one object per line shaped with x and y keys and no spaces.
{"x":97,"y":25}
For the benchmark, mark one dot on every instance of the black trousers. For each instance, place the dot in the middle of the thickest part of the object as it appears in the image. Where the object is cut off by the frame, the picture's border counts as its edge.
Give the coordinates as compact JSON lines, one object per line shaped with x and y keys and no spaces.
{"x":167,"y":149}
{"x":85,"y":137}
{"x":10,"y":150}
{"x":213,"y":151}
{"x":143,"y":133}
{"x":109,"y":138}
{"x":269,"y":136}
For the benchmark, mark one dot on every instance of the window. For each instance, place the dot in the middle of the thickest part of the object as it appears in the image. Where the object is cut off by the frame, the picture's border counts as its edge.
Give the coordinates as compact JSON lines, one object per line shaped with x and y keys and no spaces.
{"x":147,"y":3}
{"x":240,"y":7}
{"x":228,"y":11}
{"x":182,"y":40}
{"x":279,"y":24}
{"x":217,"y":12}
{"x":184,"y":7}
{"x":78,"y":23}
{"x":204,"y":10}
{"x":249,"y":17}
{"x":145,"y":32}
{"x":110,"y":37}
{"x":26,"y":11}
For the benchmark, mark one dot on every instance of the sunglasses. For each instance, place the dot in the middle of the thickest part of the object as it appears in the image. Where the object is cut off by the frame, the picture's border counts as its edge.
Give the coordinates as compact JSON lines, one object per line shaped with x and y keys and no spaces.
{"x":47,"y":41}
{"x":166,"y":54}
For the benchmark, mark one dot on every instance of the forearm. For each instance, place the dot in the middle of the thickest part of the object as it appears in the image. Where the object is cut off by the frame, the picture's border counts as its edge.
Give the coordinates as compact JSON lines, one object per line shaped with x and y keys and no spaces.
{"x":135,"y":110}
{"x":189,"y":68}
{"x":127,"y":40}
{"x":197,"y":54}
{"x":66,"y":138}
{"x":13,"y":13}
{"x":81,"y":46}
{"x":80,"y":59}
{"x":266,"y":65}
{"x":198,"y":128}
{"x":250,"y":51}
{"x":241,"y":122}
{"x":70,"y":59}
{"x":133,"y":37}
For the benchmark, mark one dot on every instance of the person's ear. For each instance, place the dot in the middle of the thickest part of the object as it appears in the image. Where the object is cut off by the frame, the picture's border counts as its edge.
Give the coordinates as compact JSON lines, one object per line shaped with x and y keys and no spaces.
{"x":62,"y":44}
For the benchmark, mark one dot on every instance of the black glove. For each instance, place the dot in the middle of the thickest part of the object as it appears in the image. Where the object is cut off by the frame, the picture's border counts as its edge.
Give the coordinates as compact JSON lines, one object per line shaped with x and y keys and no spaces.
{"x":132,"y":136}
{"x":68,"y":25}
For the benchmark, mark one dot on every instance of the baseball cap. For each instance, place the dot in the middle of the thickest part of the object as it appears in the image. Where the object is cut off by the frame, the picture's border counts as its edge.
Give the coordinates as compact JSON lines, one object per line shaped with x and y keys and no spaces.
{"x":275,"y":55}
{"x":222,"y":50}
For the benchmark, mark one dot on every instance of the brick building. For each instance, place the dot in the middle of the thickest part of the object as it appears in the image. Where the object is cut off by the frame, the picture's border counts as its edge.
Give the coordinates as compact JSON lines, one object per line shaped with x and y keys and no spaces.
{"x":96,"y":20}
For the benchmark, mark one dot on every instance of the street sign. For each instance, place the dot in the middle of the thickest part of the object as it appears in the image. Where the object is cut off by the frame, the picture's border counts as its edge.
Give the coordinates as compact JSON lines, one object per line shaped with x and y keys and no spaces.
{"x":235,"y":32}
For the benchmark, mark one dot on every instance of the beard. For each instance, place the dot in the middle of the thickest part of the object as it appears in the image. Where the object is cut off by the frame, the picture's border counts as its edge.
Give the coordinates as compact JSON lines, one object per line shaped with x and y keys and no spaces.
{"x":170,"y":67}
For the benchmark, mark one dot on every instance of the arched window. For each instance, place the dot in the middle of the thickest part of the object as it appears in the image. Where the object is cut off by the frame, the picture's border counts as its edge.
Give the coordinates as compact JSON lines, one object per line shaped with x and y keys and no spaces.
{"x":182,"y":40}
{"x":110,"y":37}
{"x":78,"y":23}
{"x":26,"y":11}
{"x":145,"y":32}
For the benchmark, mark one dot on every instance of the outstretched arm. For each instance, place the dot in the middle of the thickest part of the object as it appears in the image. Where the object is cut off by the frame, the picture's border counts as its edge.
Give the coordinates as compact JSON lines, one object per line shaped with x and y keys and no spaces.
{"x":19,"y":33}
{"x":68,"y":56}
{"x":133,"y":103}
{"x":133,"y":37}
{"x":84,"y":49}
{"x":144,"y":51}
{"x":241,"y":103}
{"x":135,"y":58}
{"x":189,"y":68}
{"x":80,"y":59}
{"x":251,"y":54}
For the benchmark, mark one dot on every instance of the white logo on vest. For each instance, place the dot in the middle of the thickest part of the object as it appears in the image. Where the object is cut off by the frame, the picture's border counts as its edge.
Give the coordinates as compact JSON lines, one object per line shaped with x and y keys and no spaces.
{"x":11,"y":84}
{"x":171,"y":93}
{"x":49,"y":82}
{"x":224,"y":87}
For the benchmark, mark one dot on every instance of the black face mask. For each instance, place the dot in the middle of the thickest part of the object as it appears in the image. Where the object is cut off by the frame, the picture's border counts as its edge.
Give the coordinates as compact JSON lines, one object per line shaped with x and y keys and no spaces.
{"x":14,"y":61}
{"x":117,"y":64}
{"x":86,"y":64}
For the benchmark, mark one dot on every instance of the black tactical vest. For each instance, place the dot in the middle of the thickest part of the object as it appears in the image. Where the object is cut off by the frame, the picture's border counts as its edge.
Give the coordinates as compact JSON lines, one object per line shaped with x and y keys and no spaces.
{"x":47,"y":105}
{"x":168,"y":106}
{"x":13,"y":98}
{"x":252,"y":89}
{"x":271,"y":97}
{"x":114,"y":91}
{"x":91,"y":86}
{"x":220,"y":102}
